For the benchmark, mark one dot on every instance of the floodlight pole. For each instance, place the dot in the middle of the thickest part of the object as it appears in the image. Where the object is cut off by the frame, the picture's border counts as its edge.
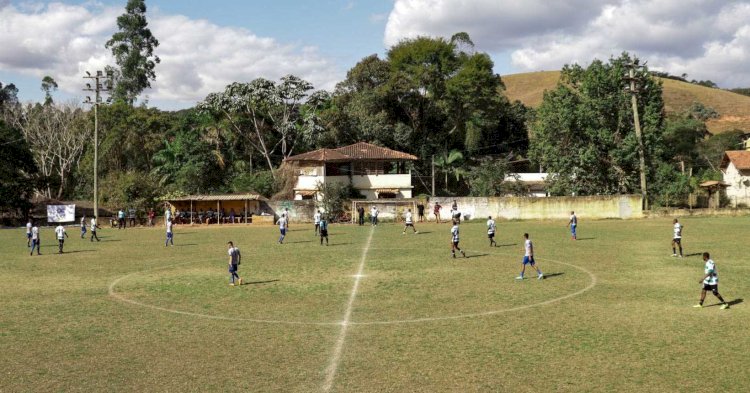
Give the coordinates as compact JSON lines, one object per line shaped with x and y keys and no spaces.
{"x":98,"y":88}
{"x":638,"y":133}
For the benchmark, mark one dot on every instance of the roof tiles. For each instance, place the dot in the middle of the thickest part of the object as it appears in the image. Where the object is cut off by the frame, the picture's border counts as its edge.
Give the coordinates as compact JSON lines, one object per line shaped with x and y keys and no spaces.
{"x":356,"y":152}
{"x":740,"y":159}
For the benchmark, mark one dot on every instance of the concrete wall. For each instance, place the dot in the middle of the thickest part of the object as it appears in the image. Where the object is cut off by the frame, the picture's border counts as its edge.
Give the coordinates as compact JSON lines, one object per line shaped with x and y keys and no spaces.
{"x":366,"y":184}
{"x":299,"y":211}
{"x":512,"y":208}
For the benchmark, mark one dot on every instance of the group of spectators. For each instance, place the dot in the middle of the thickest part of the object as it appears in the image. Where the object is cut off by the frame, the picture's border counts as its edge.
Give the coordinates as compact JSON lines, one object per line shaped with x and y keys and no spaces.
{"x":210,"y":216}
{"x":436,"y":207}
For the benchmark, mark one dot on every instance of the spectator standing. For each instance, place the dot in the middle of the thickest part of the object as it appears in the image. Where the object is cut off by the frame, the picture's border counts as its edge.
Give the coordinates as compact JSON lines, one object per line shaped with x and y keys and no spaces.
{"x":151,"y":216}
{"x":121,"y":219}
{"x":420,"y":211}
{"x":131,"y":217}
{"x":436,"y":210}
{"x":374,"y":215}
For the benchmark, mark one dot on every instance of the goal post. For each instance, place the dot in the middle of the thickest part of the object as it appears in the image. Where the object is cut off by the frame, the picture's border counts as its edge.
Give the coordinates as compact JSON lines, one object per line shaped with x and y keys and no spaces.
{"x":389,"y":210}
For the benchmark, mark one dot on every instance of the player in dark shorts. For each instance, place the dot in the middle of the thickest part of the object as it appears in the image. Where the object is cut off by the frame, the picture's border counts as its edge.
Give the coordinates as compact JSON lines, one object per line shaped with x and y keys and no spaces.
{"x":710,"y":282}
{"x":420,"y":212}
{"x":323,"y":227}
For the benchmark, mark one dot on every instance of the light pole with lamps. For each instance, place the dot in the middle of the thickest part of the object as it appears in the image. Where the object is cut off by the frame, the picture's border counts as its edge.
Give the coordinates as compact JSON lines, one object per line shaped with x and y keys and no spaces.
{"x":102,"y":84}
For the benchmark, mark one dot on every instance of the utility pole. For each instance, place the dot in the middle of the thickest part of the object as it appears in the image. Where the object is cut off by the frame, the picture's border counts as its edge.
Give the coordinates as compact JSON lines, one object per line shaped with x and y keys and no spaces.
{"x":639,"y":136}
{"x":433,"y":175}
{"x":102,"y":84}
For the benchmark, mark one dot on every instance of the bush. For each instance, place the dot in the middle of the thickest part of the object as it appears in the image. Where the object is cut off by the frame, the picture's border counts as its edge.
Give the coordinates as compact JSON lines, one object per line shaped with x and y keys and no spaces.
{"x":130,"y":189}
{"x":335,"y":195}
{"x":261,"y":182}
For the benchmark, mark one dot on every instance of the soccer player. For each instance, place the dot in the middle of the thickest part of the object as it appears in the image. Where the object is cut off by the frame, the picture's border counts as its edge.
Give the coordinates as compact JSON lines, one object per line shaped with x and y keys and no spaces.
{"x":528,"y":258}
{"x":710,"y":282}
{"x":235,"y":258}
{"x":61,"y":235}
{"x":573,"y":223}
{"x":316,"y":219}
{"x":491,"y":231}
{"x":436,"y":210}
{"x":35,"y":241}
{"x":282,"y":227}
{"x":93,"y":228}
{"x":323,"y":230}
{"x":170,"y":234}
{"x":28,"y":233}
{"x":677,"y":238}
{"x":454,"y":240}
{"x":83,"y":226}
{"x":409,"y":222}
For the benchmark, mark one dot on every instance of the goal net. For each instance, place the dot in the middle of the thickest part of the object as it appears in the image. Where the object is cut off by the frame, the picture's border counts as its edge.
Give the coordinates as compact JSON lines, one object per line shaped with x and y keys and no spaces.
{"x":389,"y":210}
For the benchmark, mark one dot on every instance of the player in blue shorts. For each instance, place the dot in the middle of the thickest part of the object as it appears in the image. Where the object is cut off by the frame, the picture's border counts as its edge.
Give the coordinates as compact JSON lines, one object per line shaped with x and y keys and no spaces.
{"x":323,"y":228}
{"x":282,"y":223}
{"x":28,"y":233}
{"x":235,"y":258}
{"x":528,"y":258}
{"x":573,"y":224}
{"x":83,"y":226}
{"x":170,"y":234}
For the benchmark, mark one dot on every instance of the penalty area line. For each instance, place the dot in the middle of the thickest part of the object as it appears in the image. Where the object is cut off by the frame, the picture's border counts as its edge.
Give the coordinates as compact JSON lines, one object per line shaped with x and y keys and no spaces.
{"x":333,"y":365}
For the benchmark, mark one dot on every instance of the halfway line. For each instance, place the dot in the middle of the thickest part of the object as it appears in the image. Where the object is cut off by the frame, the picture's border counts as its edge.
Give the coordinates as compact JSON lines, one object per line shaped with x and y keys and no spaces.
{"x":333,"y":365}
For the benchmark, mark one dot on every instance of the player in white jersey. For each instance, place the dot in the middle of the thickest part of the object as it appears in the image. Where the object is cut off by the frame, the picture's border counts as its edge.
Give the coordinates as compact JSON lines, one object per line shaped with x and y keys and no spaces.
{"x":528,"y":258}
{"x":710,"y":282}
{"x":282,"y":227}
{"x":491,"y":231}
{"x":573,"y":224}
{"x":61,"y":235}
{"x":35,"y":241}
{"x":28,"y":233}
{"x":409,"y":222}
{"x":677,"y":238}
{"x":316,"y":219}
{"x":83,"y":226}
{"x":454,"y":240}
{"x":170,"y":234}
{"x":94,"y":226}
{"x":235,"y":258}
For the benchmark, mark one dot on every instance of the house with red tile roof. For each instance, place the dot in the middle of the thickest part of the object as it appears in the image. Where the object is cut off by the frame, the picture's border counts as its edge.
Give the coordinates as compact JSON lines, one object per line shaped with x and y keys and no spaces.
{"x":376,"y":172}
{"x":735,"y":167}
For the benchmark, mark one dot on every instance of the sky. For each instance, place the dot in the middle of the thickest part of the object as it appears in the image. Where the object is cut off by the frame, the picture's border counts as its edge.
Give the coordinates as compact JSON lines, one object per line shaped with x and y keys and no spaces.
{"x":205,"y":45}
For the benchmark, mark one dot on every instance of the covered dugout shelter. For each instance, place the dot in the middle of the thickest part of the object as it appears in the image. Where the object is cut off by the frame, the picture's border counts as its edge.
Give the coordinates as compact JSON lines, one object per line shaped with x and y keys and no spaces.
{"x":244,"y":205}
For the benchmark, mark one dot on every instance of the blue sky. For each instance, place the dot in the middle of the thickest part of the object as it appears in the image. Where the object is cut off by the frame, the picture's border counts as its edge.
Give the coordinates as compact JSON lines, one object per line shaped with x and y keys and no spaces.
{"x":208,"y":44}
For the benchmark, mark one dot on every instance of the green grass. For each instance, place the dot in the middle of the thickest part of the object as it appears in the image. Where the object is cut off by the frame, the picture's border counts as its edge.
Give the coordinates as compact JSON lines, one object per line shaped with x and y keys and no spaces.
{"x":411,"y":327}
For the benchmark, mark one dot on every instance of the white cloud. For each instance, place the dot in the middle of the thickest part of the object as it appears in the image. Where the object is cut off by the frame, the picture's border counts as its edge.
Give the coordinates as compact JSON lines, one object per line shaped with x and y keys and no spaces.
{"x":705,"y":39}
{"x":197,"y":56}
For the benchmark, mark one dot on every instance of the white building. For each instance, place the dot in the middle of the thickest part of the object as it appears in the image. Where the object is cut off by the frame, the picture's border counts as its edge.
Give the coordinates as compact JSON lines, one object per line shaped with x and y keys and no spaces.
{"x":735,"y":166}
{"x":376,"y":172}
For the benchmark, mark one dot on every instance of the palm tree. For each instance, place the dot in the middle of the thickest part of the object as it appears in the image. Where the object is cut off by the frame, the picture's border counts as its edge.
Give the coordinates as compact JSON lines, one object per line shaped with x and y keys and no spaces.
{"x":451,"y":163}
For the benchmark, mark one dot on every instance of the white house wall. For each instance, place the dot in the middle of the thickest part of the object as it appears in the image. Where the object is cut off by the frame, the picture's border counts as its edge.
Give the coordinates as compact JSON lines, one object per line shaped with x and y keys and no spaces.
{"x":739,"y":185}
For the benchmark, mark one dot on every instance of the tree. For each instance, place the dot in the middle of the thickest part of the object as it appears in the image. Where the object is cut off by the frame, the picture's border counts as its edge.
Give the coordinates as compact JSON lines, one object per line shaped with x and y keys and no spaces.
{"x":57,"y":135}
{"x":133,"y":47}
{"x":584,"y":132}
{"x":17,"y":170}
{"x":48,"y":86}
{"x":269,"y":115}
{"x":487,"y":179}
{"x":8,"y":96}
{"x":451,"y":163}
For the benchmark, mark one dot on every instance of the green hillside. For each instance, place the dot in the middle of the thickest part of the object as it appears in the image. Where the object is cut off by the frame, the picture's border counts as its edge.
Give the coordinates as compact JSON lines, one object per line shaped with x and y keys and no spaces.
{"x":734,"y":109}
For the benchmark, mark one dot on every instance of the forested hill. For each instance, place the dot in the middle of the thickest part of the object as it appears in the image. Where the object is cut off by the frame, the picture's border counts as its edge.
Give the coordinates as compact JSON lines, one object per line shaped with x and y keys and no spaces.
{"x":733,"y":108}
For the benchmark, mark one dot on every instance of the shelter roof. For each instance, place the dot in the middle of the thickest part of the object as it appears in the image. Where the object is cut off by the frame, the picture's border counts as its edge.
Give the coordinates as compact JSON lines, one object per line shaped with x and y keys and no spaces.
{"x":219,"y":197}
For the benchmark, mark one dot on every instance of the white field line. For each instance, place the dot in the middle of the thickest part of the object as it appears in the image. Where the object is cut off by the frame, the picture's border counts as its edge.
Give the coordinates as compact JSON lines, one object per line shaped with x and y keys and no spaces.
{"x":333,"y":365}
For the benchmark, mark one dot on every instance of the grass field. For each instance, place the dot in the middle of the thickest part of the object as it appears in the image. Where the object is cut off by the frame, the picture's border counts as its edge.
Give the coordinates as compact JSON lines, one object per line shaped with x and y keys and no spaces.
{"x":733,"y":108}
{"x":615,"y":313}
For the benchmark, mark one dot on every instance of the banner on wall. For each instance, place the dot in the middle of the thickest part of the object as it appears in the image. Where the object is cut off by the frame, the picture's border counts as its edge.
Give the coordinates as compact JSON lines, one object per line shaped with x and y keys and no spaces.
{"x":61,"y":213}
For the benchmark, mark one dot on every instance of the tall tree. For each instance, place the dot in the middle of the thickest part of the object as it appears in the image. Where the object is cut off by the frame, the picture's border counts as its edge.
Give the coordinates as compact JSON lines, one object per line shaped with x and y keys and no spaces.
{"x":17,"y":170}
{"x":8,"y":96}
{"x":48,"y":86}
{"x":584,"y":131}
{"x":269,"y":115}
{"x":133,"y":47}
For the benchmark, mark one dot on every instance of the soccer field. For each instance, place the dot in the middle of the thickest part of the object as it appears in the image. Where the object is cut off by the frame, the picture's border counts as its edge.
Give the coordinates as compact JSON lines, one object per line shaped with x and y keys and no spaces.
{"x":377,"y":310}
